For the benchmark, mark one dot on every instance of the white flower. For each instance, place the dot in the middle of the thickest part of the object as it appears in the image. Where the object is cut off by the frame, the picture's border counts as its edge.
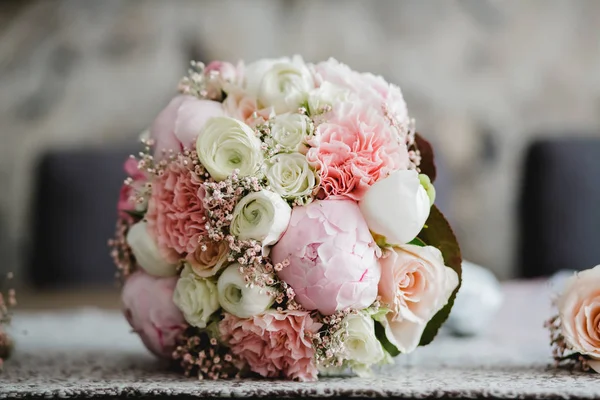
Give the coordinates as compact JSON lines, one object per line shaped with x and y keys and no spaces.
{"x":327,"y":94}
{"x":238,"y":298}
{"x":396,"y":207}
{"x":262,"y":216}
{"x":291,"y":176}
{"x":146,"y":252}
{"x":289,"y":131}
{"x":226,"y":144}
{"x":361,"y":347}
{"x":196,"y":298}
{"x":282,"y":83}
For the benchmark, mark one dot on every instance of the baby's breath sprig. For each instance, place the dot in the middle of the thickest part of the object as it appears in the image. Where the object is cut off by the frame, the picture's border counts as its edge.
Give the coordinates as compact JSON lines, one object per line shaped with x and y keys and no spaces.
{"x":197,"y":353}
{"x":201,"y":83}
{"x":6,"y":303}
{"x":329,"y":341}
{"x":563,"y":356}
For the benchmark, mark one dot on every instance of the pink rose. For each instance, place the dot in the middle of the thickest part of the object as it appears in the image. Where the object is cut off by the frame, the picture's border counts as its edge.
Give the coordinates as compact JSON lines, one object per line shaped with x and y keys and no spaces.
{"x":209,"y":258}
{"x":415,"y":284}
{"x":149,"y":309}
{"x":176,"y":216}
{"x":332,"y":256}
{"x":127,"y":192}
{"x":579,"y":310}
{"x":274,"y":344}
{"x":179,"y":124}
{"x":367,"y":87}
{"x":355,"y":148}
{"x":241,"y":105}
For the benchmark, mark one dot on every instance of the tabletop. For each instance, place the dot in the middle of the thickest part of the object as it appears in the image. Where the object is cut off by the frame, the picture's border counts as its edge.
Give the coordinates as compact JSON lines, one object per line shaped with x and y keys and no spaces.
{"x":91,"y":353}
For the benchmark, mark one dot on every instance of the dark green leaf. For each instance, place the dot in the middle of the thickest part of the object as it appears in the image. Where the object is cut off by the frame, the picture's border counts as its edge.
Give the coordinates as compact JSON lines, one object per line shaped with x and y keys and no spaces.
{"x":427,"y":165}
{"x":439,"y":234}
{"x":380,"y":334}
{"x":137,"y":215}
{"x":418,"y":242}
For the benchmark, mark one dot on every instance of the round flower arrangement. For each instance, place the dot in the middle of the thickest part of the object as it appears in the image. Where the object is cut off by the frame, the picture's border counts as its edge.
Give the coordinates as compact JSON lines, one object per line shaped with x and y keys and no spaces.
{"x":280,"y":222}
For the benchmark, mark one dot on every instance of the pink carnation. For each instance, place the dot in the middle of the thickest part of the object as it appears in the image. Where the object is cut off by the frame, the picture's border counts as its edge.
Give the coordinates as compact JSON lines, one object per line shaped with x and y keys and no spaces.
{"x":128,"y":191}
{"x":176,"y":215}
{"x":332,"y":255}
{"x":179,"y":124}
{"x":355,"y":148}
{"x":274,"y":344}
{"x":149,"y":309}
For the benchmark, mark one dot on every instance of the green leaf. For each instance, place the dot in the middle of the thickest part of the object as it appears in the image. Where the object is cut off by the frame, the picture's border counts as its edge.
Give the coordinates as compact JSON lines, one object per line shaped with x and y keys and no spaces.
{"x":385,"y":343}
{"x":137,"y":215}
{"x":417,"y":242}
{"x":427,"y":165}
{"x":440,"y":235}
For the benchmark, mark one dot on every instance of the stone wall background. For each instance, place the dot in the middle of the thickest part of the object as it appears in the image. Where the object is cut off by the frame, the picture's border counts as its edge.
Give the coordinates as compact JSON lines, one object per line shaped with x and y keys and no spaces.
{"x":482,"y":78}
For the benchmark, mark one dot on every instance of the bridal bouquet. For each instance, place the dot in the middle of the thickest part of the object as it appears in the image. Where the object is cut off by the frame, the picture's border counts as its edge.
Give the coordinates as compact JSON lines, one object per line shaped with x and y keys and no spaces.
{"x":575,"y":331}
{"x":280,"y":221}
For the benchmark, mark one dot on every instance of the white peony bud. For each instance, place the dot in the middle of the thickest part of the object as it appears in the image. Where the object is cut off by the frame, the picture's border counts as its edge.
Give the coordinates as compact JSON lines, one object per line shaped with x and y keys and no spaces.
{"x":362,"y":348}
{"x":291,"y":176}
{"x":146,"y":252}
{"x":226,"y":144}
{"x":282,"y":84}
{"x":238,"y":298}
{"x":289,"y":131}
{"x":396,"y":207}
{"x":262,"y":216}
{"x":196,"y":298}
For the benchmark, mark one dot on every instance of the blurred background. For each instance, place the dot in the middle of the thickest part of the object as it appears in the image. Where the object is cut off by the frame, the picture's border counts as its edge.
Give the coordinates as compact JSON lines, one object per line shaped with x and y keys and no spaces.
{"x":508,"y":92}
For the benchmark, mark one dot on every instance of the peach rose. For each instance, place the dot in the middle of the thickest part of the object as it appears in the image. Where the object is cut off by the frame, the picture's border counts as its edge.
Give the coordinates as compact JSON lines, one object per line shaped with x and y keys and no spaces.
{"x":206,"y":263}
{"x":415,"y":284}
{"x":240,"y":105}
{"x":579,"y":310}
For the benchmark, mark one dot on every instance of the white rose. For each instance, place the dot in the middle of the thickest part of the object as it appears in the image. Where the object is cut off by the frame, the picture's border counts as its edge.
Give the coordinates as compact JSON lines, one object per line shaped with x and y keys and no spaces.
{"x":579,"y":311}
{"x":289,"y":131}
{"x":291,"y":176}
{"x":226,"y":144}
{"x":238,"y":298}
{"x":362,"y":349}
{"x":262,"y":216}
{"x":196,"y":297}
{"x":327,"y":94}
{"x":284,"y":83}
{"x":415,"y":284}
{"x":396,"y":207}
{"x":146,"y":252}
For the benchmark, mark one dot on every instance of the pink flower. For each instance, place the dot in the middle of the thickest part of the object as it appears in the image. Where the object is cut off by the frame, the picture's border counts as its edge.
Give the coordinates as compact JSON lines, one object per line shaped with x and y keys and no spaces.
{"x":241,"y":105}
{"x":179,"y":124}
{"x":149,"y":309}
{"x":225,"y":70}
{"x":355,"y":148}
{"x":332,"y":257}
{"x":176,"y":215}
{"x":128,"y":191}
{"x":369,"y":88}
{"x":274,"y":344}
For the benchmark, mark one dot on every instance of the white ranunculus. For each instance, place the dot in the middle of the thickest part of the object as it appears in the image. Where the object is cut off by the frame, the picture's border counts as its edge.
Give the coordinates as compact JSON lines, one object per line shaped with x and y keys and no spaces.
{"x":289,"y":131}
{"x":262,"y":216}
{"x":396,"y":207}
{"x":362,"y":349}
{"x":327,"y":94}
{"x":282,"y":84}
{"x":291,"y":176}
{"x":146,"y":252}
{"x":238,"y":298}
{"x":196,"y":297}
{"x":226,"y":144}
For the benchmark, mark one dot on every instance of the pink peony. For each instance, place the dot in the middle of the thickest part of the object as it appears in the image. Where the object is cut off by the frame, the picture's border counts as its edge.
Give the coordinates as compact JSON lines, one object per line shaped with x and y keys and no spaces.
{"x":225,"y":70}
{"x":149,"y":309}
{"x":176,"y":215}
{"x":274,"y":344}
{"x":367,"y":87}
{"x":332,"y":255}
{"x":355,"y":148}
{"x":128,"y":191}
{"x":179,"y":124}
